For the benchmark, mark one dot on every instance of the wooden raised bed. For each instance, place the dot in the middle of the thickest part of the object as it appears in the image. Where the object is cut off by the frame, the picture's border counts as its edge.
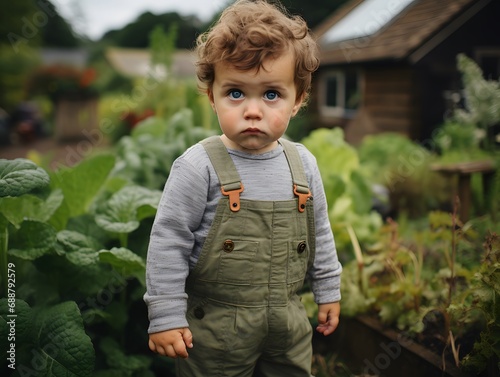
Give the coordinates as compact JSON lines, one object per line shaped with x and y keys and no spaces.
{"x":369,"y":349}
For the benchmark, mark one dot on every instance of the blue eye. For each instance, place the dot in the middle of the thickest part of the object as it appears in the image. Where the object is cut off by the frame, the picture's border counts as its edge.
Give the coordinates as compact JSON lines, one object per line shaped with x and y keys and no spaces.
{"x":235,"y":94}
{"x":271,"y":95}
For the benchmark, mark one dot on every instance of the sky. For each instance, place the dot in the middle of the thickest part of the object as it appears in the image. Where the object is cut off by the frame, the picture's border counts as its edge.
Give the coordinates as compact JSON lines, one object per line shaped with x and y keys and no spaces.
{"x":95,"y":17}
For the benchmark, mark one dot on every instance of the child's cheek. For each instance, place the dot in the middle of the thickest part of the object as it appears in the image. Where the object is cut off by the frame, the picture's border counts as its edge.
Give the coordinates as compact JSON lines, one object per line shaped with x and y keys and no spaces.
{"x":281,"y":119}
{"x":228,"y":118}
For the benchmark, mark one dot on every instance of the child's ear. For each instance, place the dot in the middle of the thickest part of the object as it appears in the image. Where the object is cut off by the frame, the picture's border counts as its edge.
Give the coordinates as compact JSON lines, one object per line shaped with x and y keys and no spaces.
{"x":298,"y":104}
{"x":210,"y":95}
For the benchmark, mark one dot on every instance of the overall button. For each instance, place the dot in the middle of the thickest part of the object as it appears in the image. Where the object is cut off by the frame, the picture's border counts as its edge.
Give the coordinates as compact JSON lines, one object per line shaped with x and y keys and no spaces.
{"x":228,"y":246}
{"x":199,"y":313}
{"x":301,"y":247}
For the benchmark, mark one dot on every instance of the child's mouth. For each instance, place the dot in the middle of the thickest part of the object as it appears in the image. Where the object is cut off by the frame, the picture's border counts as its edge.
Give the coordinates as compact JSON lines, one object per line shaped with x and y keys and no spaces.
{"x":252,"y":131}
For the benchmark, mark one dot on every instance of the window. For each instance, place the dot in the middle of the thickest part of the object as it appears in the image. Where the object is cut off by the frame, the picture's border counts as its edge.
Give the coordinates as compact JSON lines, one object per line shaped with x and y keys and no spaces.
{"x":340,"y":93}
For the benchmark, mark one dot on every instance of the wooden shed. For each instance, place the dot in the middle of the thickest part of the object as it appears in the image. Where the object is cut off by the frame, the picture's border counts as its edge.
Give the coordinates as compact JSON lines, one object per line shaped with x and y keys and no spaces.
{"x":391,"y":65}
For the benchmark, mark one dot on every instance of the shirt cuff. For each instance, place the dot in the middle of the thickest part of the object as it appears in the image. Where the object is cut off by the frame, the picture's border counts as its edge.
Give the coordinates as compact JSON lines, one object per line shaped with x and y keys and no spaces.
{"x":166,"y":314}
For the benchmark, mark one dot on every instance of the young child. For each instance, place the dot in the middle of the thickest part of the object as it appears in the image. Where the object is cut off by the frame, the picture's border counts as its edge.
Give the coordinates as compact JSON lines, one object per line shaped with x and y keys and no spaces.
{"x":236,"y":231}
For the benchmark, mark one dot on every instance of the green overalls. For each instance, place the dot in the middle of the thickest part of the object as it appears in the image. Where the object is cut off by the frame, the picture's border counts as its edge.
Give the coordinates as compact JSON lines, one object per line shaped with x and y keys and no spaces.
{"x":243,"y":308}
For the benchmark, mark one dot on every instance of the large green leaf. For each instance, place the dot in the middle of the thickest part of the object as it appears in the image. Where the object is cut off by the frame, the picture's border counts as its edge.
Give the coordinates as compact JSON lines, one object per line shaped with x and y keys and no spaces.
{"x":335,"y":187}
{"x":49,"y":342}
{"x":361,"y":193}
{"x":79,"y":249}
{"x":16,"y":321}
{"x":127,"y":207}
{"x":20,"y":176}
{"x":65,"y":348}
{"x":118,"y":221}
{"x":332,"y":152}
{"x":126,"y":262}
{"x":32,"y":240}
{"x":181,"y":123}
{"x":18,"y":209}
{"x":85,"y":224}
{"x":81,"y":183}
{"x":153,"y":126}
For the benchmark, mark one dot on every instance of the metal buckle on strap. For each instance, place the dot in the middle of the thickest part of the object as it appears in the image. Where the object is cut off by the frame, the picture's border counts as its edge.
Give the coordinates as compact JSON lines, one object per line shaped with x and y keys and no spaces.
{"x":234,"y":197}
{"x":303,"y":194}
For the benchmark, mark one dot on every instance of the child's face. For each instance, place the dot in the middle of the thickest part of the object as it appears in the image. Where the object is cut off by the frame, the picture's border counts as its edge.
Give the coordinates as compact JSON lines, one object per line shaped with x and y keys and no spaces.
{"x":254,"y":108}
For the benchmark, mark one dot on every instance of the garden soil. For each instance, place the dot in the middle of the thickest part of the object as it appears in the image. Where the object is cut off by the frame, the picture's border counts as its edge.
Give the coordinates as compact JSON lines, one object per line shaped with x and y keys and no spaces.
{"x":52,"y":152}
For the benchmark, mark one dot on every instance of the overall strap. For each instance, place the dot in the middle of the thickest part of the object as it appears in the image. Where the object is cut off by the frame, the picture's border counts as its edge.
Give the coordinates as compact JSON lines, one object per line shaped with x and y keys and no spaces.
{"x":300,"y":185}
{"x":229,"y":179}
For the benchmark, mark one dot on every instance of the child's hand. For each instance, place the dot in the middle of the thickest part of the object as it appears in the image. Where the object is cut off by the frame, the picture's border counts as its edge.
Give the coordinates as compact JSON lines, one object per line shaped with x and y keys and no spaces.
{"x":328,"y":317}
{"x":171,"y":343}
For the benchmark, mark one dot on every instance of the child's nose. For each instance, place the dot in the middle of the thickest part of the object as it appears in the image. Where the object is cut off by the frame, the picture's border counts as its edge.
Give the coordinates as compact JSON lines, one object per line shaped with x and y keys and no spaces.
{"x":253,"y":109}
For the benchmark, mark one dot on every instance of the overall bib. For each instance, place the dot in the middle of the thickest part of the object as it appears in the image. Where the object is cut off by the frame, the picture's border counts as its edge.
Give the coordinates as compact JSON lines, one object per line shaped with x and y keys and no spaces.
{"x":243,"y":308}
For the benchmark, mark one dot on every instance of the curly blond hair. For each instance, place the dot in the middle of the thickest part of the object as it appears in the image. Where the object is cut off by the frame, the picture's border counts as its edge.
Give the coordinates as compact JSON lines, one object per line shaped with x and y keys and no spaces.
{"x":250,"y":32}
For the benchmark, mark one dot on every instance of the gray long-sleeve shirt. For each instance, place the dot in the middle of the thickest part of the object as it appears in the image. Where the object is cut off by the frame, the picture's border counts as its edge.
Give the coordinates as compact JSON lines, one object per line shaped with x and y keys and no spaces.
{"x":186,"y":212}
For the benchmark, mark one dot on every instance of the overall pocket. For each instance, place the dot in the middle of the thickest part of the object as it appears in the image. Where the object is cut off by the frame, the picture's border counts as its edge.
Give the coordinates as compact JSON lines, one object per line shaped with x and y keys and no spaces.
{"x":236,"y":261}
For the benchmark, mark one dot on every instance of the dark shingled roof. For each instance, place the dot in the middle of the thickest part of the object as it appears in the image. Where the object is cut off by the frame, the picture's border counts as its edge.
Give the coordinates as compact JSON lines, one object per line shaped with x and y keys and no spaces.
{"x":410,"y":35}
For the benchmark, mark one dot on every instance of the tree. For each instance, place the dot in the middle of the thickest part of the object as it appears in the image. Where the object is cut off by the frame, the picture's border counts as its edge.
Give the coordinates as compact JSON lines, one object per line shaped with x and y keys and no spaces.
{"x":18,"y":40}
{"x":34,"y":23}
{"x":14,"y":17}
{"x":136,"y":34}
{"x":56,"y":32}
{"x":25,"y":26}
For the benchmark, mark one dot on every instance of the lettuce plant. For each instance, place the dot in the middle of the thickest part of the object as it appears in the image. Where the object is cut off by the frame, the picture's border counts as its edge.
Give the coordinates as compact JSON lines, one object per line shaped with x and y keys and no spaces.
{"x":347,"y":189}
{"x":64,"y":243}
{"x":49,"y":340}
